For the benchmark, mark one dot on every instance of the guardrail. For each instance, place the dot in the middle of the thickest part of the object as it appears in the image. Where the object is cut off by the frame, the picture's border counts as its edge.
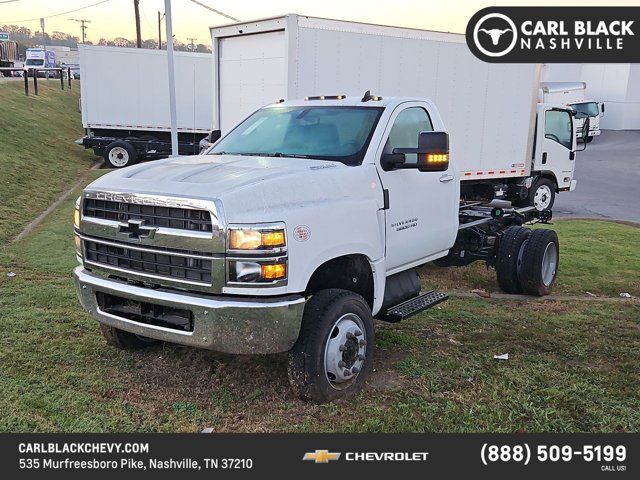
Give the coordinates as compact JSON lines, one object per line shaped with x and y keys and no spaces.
{"x":34,"y":71}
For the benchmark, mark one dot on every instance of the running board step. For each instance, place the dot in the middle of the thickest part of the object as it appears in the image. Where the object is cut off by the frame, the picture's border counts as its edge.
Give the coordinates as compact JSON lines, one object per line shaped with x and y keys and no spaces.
{"x":410,"y":307}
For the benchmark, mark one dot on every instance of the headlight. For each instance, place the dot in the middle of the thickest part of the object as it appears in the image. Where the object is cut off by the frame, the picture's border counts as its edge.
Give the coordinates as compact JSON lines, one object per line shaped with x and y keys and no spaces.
{"x":257,"y":254}
{"x":257,"y":272}
{"x":76,"y":214}
{"x":256,"y":238}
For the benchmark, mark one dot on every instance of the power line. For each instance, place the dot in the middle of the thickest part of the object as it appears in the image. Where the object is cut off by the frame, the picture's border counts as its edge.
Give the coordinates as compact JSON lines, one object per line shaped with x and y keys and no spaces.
{"x":59,"y":14}
{"x":216,"y":11}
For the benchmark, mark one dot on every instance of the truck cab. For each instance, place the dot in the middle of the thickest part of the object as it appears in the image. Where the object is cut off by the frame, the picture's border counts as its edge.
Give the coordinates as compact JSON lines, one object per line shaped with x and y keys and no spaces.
{"x":588,"y":109}
{"x":291,"y":233}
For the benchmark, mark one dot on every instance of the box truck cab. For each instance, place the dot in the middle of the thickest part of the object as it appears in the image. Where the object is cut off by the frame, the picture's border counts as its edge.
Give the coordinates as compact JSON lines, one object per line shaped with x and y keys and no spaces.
{"x":293,"y":231}
{"x":39,"y":58}
{"x":572,"y":94}
{"x":588,"y":109}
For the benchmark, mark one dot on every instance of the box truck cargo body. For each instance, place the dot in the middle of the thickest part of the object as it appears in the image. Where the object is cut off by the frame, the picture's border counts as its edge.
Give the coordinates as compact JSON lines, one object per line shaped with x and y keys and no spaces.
{"x":125,"y":98}
{"x":489,"y":109}
{"x":8,"y":55}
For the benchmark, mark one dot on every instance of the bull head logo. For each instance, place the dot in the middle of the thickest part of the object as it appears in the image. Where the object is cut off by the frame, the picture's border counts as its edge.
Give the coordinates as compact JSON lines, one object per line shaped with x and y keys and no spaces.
{"x":495,"y":34}
{"x":494,"y":25}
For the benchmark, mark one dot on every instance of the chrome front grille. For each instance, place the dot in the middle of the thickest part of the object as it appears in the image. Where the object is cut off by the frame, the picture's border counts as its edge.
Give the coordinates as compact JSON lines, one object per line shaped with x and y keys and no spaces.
{"x":152,"y":215}
{"x":166,"y":241}
{"x":181,"y":266}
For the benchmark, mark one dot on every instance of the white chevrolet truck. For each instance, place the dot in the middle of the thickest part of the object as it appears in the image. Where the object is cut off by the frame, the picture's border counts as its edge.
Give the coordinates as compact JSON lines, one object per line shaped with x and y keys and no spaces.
{"x":295,"y":230}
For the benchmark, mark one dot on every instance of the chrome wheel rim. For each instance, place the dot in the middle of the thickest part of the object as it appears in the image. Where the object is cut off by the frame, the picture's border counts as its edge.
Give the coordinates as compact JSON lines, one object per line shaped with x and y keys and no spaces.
{"x":542,"y":197}
{"x":345,"y":351}
{"x":549,"y":263}
{"x":118,"y":156}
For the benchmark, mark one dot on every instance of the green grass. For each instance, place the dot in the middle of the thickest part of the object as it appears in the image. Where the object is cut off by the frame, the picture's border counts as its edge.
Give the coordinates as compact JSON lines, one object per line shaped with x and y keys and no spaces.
{"x":37,"y":155}
{"x":597,"y":257}
{"x":572,"y":366}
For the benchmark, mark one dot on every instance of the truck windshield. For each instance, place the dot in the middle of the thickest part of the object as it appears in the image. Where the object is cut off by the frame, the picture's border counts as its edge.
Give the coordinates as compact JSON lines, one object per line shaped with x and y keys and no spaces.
{"x":34,"y":62}
{"x":340,"y":134}
{"x":588,"y":109}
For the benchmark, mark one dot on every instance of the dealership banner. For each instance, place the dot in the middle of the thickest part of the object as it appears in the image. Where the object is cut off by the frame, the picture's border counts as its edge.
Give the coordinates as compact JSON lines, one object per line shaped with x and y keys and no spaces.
{"x":314,"y":455}
{"x":555,"y":34}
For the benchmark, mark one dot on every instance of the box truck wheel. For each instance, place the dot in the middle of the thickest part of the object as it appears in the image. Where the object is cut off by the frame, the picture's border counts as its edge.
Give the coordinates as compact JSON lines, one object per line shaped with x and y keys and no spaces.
{"x":332,"y":356}
{"x":124,"y":340}
{"x":509,"y":258}
{"x":539,"y":266}
{"x":590,"y":139}
{"x":542,"y":194}
{"x":120,"y":154}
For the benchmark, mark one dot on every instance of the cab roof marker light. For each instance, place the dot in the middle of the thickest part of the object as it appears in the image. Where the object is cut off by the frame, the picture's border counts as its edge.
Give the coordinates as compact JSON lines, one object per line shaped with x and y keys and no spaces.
{"x":326,"y":97}
{"x":367,"y":96}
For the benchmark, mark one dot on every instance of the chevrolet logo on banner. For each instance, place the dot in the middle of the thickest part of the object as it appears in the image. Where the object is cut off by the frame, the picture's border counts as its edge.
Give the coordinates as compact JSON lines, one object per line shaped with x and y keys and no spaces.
{"x":321,"y":456}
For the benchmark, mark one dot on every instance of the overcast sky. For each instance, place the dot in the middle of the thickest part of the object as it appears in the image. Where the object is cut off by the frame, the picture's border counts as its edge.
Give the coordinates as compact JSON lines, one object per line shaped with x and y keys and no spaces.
{"x":115,"y":18}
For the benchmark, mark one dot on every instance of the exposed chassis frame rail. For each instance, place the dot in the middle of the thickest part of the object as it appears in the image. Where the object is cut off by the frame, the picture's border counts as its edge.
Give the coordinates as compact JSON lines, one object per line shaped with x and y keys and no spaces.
{"x":156,"y":148}
{"x":480,"y":228}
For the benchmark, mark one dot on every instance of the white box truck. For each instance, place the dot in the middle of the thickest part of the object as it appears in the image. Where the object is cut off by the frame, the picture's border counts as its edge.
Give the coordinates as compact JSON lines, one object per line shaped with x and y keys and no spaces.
{"x":573,"y":94}
{"x":308,"y":218}
{"x":125,"y":102}
{"x":493,"y":107}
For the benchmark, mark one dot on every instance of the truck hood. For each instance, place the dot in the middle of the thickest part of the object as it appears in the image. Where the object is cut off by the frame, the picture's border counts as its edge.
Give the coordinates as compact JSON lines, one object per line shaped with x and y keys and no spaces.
{"x":250,"y":188}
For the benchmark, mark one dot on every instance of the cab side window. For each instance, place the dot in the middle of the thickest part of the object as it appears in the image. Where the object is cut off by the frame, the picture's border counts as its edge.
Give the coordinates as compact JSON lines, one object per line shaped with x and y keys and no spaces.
{"x":559,"y":127}
{"x":406,"y":128}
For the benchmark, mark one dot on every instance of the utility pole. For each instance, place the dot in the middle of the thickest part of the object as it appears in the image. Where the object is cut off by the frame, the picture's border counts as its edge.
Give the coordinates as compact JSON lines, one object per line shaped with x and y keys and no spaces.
{"x":160,"y":30}
{"x":172,"y":80}
{"x":192,"y":40}
{"x":82,"y":22}
{"x":136,"y":8}
{"x":44,"y":40}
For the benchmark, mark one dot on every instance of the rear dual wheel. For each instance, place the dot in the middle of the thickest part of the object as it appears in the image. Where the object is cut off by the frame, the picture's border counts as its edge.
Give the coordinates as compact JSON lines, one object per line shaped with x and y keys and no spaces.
{"x":527,"y":260}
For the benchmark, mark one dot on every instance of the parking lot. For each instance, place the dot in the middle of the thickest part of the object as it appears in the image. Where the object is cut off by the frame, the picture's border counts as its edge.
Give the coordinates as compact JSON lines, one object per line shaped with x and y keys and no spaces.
{"x":608,"y":174}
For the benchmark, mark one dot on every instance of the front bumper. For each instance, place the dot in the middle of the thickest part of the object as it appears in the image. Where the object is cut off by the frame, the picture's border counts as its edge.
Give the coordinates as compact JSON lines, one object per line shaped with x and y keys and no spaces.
{"x":222,"y":323}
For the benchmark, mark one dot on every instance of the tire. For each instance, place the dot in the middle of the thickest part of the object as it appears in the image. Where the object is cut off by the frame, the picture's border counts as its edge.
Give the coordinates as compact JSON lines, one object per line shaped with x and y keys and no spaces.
{"x":542,"y":195}
{"x":332,"y":319}
{"x":124,"y":340}
{"x":509,"y":258}
{"x":589,"y":139}
{"x":120,"y":154}
{"x":540,"y":260}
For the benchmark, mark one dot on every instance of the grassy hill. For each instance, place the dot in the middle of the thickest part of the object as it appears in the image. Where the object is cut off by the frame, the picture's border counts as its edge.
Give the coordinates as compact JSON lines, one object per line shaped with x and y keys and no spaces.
{"x":38,"y":159}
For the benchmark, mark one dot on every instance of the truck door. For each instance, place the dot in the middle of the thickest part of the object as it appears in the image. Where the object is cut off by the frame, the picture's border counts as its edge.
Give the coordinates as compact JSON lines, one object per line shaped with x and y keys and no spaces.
{"x":557,"y":144}
{"x":421,"y":219}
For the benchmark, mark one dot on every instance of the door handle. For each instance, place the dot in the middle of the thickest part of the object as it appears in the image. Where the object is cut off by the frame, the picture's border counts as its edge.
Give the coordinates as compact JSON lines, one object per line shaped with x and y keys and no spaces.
{"x":446,"y":178}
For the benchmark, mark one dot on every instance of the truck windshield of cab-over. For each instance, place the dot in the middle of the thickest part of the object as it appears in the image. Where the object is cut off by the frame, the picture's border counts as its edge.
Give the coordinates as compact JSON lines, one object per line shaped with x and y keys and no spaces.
{"x":587,"y":109}
{"x":35,"y":62}
{"x":340,"y":134}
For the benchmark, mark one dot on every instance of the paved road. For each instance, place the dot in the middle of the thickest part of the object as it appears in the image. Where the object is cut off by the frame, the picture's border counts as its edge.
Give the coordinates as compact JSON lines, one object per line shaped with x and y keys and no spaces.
{"x":608,"y":174}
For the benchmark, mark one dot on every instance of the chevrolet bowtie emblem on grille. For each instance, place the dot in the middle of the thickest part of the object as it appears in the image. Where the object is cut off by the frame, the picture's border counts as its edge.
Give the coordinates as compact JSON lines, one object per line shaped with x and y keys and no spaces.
{"x":135,"y":230}
{"x":321,"y":456}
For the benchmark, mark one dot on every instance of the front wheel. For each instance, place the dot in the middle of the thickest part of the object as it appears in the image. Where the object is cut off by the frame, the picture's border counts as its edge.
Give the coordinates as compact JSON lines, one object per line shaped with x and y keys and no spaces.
{"x":542,"y":195}
{"x":124,"y":340}
{"x":589,"y":139}
{"x":332,"y":356}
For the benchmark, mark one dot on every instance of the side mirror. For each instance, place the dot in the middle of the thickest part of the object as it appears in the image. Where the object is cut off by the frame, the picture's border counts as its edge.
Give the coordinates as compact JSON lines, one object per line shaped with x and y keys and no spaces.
{"x":433,"y":154}
{"x":584,"y":134}
{"x":214,"y":136}
{"x":392,"y":161}
{"x":432,"y":151}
